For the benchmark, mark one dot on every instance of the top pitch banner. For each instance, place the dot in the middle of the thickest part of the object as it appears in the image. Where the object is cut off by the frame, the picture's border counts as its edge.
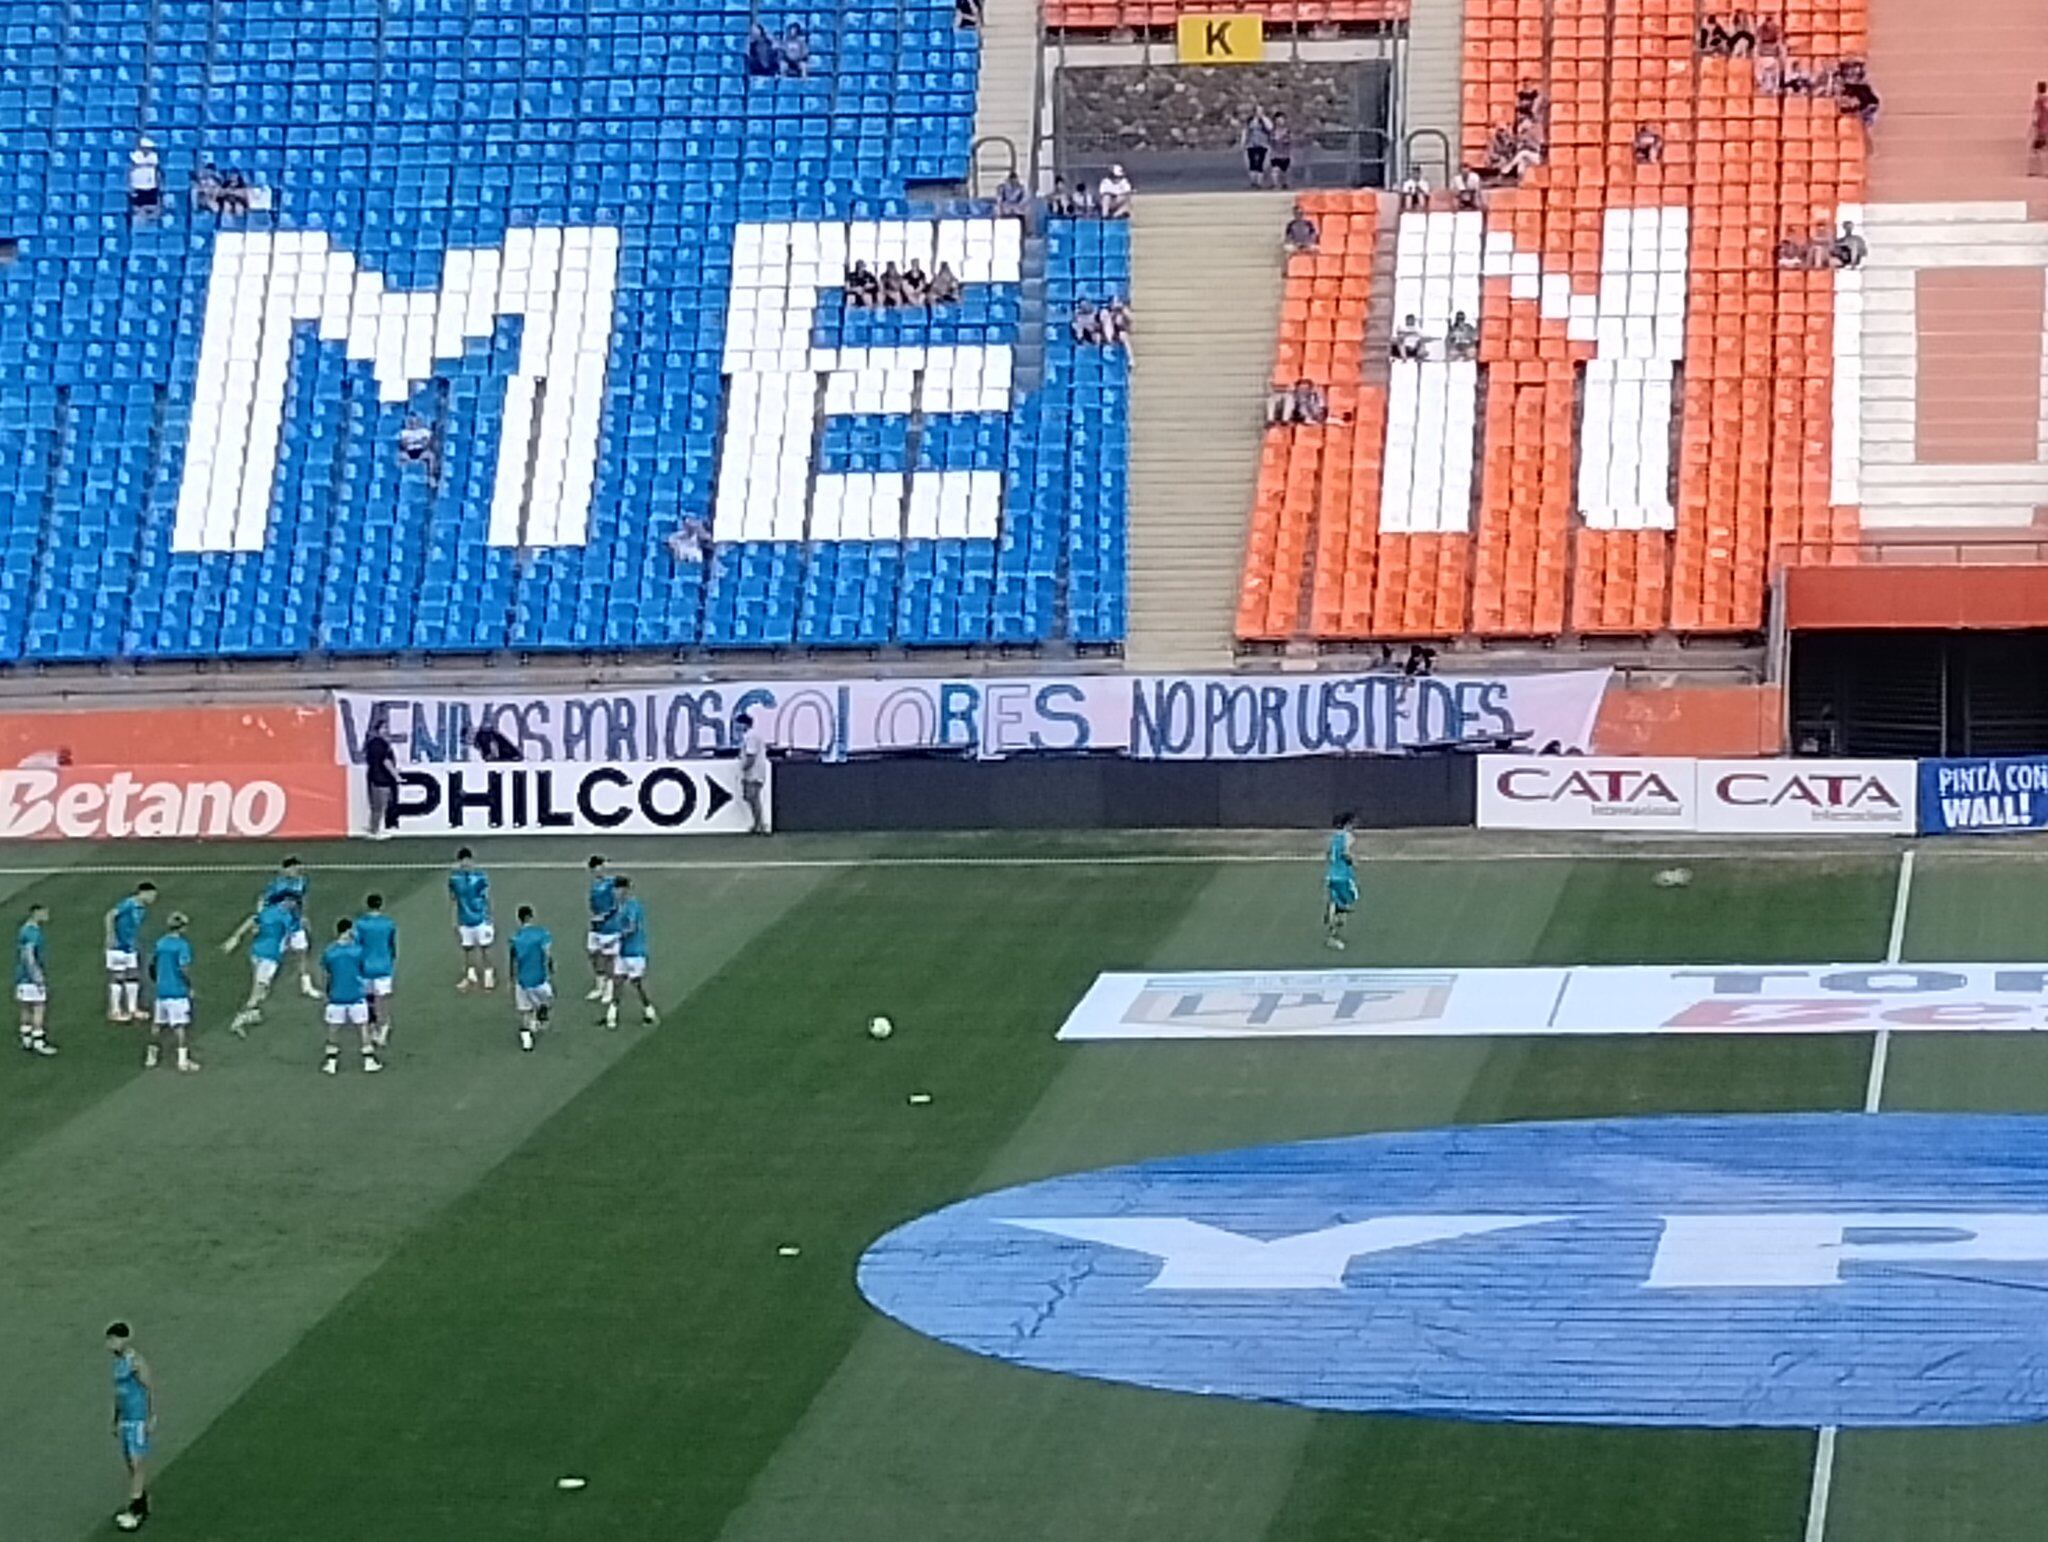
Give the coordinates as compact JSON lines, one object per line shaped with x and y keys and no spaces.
{"x":1969,"y":796}
{"x":1149,"y":717}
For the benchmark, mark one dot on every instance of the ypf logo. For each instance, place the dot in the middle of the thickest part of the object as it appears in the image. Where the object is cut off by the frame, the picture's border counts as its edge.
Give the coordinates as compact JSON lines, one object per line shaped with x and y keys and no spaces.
{"x":1790,"y":1270}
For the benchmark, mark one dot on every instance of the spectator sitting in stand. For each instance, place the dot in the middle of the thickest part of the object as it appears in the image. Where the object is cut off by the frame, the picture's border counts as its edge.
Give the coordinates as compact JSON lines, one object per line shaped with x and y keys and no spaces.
{"x":893,"y":291}
{"x":206,"y":188}
{"x":1414,"y":191}
{"x":1770,"y":37}
{"x":10,"y":251}
{"x":917,"y":284}
{"x":1279,"y":406}
{"x":1113,"y":195}
{"x":761,"y":56}
{"x":1854,"y":93}
{"x":1649,"y":145}
{"x":796,"y":50}
{"x":1794,"y":253}
{"x":1713,"y":35}
{"x":1797,"y":79}
{"x":1301,"y":234}
{"x":1741,"y":35}
{"x":416,"y":442}
{"x":1466,"y":188}
{"x":1528,"y":105}
{"x":1407,"y":340}
{"x":1528,"y":154}
{"x":1310,"y":405}
{"x":1849,"y":249}
{"x":863,"y":289}
{"x":945,"y":285}
{"x":1114,"y":323}
{"x":1461,"y":340}
{"x":690,"y":543}
{"x":1060,"y":202}
{"x":967,"y":15}
{"x":1086,"y":323}
{"x":145,"y":180}
{"x":2037,"y":143}
{"x":1012,"y":201}
{"x":236,"y":196}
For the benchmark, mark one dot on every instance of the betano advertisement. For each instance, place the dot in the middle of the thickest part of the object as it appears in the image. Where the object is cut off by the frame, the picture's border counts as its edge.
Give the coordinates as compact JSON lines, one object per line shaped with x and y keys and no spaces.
{"x":187,"y":773}
{"x":90,"y":803}
{"x":1713,"y":797}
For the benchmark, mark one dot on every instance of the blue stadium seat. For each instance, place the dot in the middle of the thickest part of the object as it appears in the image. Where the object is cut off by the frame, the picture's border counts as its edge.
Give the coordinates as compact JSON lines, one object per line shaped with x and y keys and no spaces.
{"x":200,"y":414}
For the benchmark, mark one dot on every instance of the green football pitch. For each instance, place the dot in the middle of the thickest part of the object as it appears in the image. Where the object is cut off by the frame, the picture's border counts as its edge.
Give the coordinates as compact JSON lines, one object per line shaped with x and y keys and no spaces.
{"x":402,"y":1307}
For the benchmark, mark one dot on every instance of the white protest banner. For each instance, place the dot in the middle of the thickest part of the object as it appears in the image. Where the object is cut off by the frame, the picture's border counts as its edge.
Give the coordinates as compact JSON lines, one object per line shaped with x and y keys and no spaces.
{"x":564,"y":798}
{"x":1271,"y":717}
{"x":1149,"y":717}
{"x":988,"y":718}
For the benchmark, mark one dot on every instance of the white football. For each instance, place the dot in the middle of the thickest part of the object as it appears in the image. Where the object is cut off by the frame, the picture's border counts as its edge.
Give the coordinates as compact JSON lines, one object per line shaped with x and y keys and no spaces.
{"x":1674,"y":878}
{"x":880,"y":1028}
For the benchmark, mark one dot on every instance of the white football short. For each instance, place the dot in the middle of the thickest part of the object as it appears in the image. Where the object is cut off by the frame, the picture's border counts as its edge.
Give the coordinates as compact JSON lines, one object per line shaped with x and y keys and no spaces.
{"x":119,"y":962}
{"x":340,"y":1013}
{"x":299,"y":942}
{"x":600,"y":942}
{"x":531,"y":998}
{"x":379,"y":984}
{"x":29,"y":994}
{"x":630,"y":968}
{"x":265,"y":970}
{"x":172,"y":1012}
{"x":476,"y":936}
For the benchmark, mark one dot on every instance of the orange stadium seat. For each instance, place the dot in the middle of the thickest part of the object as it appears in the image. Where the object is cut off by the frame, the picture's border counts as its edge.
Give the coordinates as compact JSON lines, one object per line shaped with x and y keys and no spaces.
{"x":1751,"y":466}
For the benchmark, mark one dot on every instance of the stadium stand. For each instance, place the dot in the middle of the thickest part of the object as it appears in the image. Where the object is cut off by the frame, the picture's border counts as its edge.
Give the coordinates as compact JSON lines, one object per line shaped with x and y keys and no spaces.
{"x":592,"y":267}
{"x":1111,"y":15}
{"x":1630,"y":310}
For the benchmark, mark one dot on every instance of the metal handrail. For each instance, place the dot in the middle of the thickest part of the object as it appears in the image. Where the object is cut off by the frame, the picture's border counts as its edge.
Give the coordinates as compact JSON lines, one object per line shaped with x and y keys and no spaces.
{"x":1974,"y":551}
{"x":1443,"y":159}
{"x":974,"y":160}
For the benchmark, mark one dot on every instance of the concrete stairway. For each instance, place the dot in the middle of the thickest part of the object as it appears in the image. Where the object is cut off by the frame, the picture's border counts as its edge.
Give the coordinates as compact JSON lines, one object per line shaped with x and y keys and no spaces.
{"x":1435,"y":75}
{"x":1950,"y":375}
{"x":1205,"y":286}
{"x":1005,"y":104}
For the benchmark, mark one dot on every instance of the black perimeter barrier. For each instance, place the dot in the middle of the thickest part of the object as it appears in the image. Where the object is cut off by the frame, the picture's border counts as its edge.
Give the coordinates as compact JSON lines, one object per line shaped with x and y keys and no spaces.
{"x":1091,"y":792}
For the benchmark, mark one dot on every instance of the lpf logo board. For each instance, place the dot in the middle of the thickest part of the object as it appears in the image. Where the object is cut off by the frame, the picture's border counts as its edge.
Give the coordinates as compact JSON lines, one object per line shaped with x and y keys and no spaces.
{"x":1580,"y":999}
{"x":703,"y":797}
{"x":1792,"y":1270}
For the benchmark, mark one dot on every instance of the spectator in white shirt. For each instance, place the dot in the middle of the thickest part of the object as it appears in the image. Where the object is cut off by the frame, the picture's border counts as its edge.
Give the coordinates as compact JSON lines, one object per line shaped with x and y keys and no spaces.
{"x":1414,"y":191}
{"x":753,"y":771}
{"x":1113,"y":195}
{"x":145,"y":180}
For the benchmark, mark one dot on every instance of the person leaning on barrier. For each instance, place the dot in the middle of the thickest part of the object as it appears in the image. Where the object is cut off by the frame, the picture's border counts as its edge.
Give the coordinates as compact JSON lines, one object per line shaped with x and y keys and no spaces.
{"x":753,"y":771}
{"x":380,"y":775}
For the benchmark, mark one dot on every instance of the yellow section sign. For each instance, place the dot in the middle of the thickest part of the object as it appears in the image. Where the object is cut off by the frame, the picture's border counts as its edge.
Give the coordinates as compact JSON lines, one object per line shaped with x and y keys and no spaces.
{"x":1222,"y":37}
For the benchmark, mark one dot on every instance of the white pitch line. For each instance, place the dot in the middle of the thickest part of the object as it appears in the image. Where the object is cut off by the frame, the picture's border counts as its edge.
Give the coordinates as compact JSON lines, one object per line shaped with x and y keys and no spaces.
{"x":802,"y":864}
{"x":1873,"y":1098}
{"x":1895,"y":951}
{"x":1823,"y":1482}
